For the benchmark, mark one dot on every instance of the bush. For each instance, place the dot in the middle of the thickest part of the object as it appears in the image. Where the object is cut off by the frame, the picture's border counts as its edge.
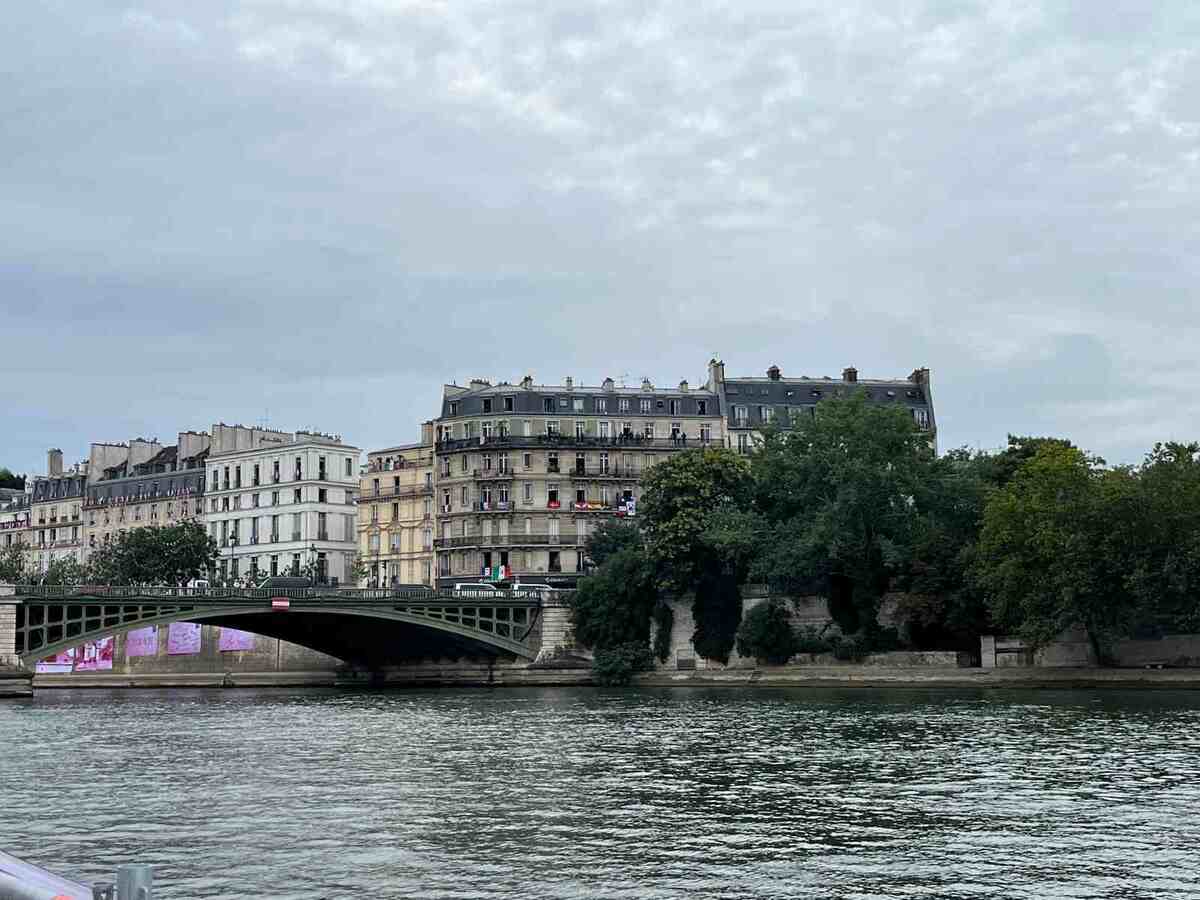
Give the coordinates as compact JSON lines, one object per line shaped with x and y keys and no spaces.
{"x":811,"y":640}
{"x":616,"y":665}
{"x":766,"y":634}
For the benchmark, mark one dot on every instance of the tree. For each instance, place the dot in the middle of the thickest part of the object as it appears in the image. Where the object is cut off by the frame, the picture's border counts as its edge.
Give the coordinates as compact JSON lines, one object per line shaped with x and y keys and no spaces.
{"x":11,"y":481}
{"x":842,"y":497}
{"x":1055,"y":548}
{"x":610,"y":539}
{"x":66,"y":571}
{"x":614,"y":605}
{"x":687,"y":506}
{"x":14,"y":569}
{"x":168,"y":555}
{"x":766,"y":634}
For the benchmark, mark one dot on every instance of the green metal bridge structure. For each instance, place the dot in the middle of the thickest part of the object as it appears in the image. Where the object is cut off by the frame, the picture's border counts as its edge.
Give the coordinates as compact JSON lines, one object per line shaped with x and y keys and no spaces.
{"x":367,"y":627}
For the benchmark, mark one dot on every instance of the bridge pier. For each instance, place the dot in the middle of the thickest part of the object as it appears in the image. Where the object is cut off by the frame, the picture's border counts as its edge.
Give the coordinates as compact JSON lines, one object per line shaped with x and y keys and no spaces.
{"x":15,"y":679}
{"x":558,"y":640}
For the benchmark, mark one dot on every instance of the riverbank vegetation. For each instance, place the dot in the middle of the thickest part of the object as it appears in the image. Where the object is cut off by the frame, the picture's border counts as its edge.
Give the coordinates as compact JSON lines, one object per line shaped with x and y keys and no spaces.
{"x":852,"y":505}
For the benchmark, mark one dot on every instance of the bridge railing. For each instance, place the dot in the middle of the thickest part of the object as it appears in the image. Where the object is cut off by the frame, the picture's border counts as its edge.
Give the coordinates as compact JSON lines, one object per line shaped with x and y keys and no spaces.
{"x":141,"y":593}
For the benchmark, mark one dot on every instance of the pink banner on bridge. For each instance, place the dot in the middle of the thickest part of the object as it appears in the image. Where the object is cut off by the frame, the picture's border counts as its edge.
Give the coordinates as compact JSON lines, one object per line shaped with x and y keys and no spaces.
{"x":233,"y":639}
{"x":183,"y":638}
{"x":95,"y":656}
{"x":60,"y":662}
{"x":142,"y":642}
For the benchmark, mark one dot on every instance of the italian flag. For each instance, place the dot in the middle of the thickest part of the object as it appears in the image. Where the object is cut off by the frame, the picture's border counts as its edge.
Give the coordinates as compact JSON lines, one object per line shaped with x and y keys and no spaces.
{"x":497,"y":573}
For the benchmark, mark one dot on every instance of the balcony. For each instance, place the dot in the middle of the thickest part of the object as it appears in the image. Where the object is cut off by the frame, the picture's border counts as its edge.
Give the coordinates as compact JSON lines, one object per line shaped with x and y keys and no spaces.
{"x":414,"y":490}
{"x":564,"y":441}
{"x":492,"y":506}
{"x":507,"y":540}
{"x":493,"y":474}
{"x":611,"y":471}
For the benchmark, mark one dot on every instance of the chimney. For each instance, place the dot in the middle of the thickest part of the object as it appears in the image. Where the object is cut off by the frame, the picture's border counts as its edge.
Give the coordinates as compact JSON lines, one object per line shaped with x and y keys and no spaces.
{"x":919,"y":376}
{"x":608,"y":384}
{"x":527,"y":382}
{"x":570,"y":382}
{"x":716,"y":374}
{"x":683,"y":386}
{"x":477,"y":383}
{"x":646,"y":385}
{"x":54,"y":464}
{"x":773,"y":373}
{"x":850,"y":375}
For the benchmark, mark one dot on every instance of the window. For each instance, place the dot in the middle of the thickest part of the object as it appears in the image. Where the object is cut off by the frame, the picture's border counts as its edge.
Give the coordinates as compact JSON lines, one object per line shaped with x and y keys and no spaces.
{"x":322,"y":495}
{"x":921,"y":417}
{"x":705,"y":433}
{"x":255,"y":482}
{"x":299,"y":469}
{"x":601,"y":404}
{"x":676,"y":431}
{"x":374,"y":513}
{"x":743,"y":443}
{"x":224,"y":504}
{"x":552,"y":426}
{"x":579,"y":429}
{"x":548,"y":404}
{"x":766,"y":413}
{"x":454,"y":407}
{"x":503,"y":461}
{"x":349,"y":471}
{"x":623,"y":405}
{"x":446,"y":501}
{"x":527,"y":428}
{"x":627,"y":429}
{"x":580,"y":464}
{"x":487,"y":404}
{"x":255,"y":501}
{"x":675,"y":407}
{"x":503,"y":497}
{"x":552,"y":461}
{"x":577,"y":404}
{"x":445,"y":467}
{"x":649,"y":431}
{"x":580,"y":497}
{"x":644,"y":405}
{"x":552,"y":495}
{"x":527,"y":491}
{"x":296,"y":495}
{"x":274,"y":498}
{"x":741,"y":415}
{"x":605,"y":429}
{"x":509,"y":404}
{"x":428,"y":507}
{"x":322,"y":474}
{"x":702,"y":407}
{"x":275,"y":471}
{"x":464,"y":496}
{"x":554,"y":564}
{"x":395,"y":511}
{"x":486,"y":430}
{"x":216,"y":480}
{"x":604,"y":463}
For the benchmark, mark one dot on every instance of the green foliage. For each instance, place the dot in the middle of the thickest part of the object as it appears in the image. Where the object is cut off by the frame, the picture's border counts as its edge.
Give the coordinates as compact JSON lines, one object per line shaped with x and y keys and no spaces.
{"x":613,"y":605}
{"x":66,"y":571}
{"x":11,"y":481}
{"x":717,"y":609}
{"x":617,"y":664}
{"x":766,"y":634}
{"x":173,"y":554}
{"x":14,"y":568}
{"x":1055,"y":547}
{"x":842,"y":499}
{"x":682,"y":499}
{"x":664,"y":621}
{"x":610,"y":539}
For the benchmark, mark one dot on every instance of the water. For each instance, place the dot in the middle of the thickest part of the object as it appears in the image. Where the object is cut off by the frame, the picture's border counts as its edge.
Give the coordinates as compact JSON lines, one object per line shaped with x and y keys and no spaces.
{"x":847,"y":793}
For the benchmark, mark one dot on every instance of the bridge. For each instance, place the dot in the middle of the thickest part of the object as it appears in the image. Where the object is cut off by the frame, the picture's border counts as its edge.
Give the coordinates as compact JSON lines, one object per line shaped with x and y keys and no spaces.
{"x":370,"y":627}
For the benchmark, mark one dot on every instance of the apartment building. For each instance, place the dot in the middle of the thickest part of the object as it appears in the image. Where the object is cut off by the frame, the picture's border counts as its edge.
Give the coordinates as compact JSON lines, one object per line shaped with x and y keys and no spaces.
{"x":279,"y":502}
{"x":752,"y":403}
{"x":56,"y":512}
{"x":524,"y":472}
{"x":14,"y":518}
{"x":396,"y":514}
{"x":142,"y":484}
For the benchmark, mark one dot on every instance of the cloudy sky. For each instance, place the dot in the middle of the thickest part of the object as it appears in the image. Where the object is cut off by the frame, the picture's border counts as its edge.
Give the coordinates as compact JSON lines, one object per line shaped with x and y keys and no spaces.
{"x":319,"y":211}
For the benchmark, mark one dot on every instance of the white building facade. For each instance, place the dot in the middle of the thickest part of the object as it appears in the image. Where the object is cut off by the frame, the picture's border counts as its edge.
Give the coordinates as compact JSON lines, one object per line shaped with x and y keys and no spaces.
{"x":279,"y":503}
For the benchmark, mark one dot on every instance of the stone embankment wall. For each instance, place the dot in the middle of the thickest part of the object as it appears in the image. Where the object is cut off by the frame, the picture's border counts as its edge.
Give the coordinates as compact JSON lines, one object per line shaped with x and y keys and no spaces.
{"x":1073,"y":650}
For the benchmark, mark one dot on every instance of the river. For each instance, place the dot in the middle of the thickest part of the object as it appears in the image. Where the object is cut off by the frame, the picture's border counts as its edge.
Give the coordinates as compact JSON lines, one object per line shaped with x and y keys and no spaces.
{"x":585,"y":793}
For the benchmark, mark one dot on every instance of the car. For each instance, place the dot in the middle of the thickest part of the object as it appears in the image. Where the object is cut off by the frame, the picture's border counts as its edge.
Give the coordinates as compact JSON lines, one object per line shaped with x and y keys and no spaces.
{"x":477,"y":587}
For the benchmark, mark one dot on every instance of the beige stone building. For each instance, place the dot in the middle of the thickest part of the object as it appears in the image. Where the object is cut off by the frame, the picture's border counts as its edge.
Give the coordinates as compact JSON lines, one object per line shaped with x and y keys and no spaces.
{"x":396,"y":514}
{"x":525,"y":472}
{"x":142,"y":484}
{"x":14,"y":519}
{"x":56,"y":512}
